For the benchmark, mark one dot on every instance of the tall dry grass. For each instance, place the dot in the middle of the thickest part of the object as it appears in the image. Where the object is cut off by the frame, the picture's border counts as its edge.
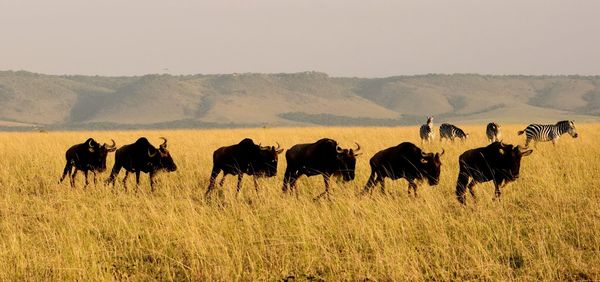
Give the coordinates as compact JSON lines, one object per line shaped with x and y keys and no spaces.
{"x":546,"y":227}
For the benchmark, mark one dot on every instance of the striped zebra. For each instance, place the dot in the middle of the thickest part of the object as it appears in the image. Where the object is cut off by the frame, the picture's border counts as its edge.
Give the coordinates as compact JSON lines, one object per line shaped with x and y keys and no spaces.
{"x":426,"y":131}
{"x":450,"y":131}
{"x":548,"y":132}
{"x":492,"y":131}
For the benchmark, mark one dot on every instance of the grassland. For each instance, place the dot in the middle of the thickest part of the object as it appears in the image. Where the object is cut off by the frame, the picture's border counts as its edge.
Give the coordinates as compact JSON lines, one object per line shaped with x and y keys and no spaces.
{"x":546,"y":227}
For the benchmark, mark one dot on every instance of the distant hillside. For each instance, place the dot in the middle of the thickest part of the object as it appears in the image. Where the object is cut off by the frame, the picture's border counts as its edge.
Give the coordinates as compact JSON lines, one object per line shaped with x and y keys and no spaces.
{"x":296,"y":99}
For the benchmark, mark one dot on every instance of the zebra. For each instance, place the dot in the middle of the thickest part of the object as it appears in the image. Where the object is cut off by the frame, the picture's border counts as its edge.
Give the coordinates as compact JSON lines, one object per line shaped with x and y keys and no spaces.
{"x":548,"y":132}
{"x":426,"y":131}
{"x":450,"y":131}
{"x":492,"y":131}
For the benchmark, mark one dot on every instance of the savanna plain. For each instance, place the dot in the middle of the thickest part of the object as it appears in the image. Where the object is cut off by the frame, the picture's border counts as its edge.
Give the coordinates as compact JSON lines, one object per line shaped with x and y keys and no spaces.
{"x":545,"y":227}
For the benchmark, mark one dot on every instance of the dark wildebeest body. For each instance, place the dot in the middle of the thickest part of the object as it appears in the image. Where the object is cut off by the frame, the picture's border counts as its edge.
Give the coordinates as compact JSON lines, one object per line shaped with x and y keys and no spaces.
{"x":407,"y":161}
{"x":323,"y":157}
{"x":140,"y":157}
{"x":87,"y":156}
{"x":496,"y":162}
{"x":244,"y":157}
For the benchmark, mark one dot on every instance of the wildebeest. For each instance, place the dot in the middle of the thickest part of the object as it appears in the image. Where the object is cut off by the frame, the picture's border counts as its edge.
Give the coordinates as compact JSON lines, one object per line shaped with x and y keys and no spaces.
{"x":139,"y":157}
{"x":407,"y":161}
{"x":244,"y":157}
{"x":548,"y":132}
{"x":87,"y":156}
{"x":451,"y":131}
{"x":492,"y":131}
{"x":496,"y":162}
{"x":323,"y":157}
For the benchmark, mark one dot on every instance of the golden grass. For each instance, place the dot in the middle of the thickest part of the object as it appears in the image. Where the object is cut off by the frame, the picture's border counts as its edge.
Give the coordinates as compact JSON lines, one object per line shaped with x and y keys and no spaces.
{"x":546,"y":227}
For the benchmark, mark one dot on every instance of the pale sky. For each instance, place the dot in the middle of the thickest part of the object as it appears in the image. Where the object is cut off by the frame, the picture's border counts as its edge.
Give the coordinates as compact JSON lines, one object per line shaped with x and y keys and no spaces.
{"x":339,"y":37}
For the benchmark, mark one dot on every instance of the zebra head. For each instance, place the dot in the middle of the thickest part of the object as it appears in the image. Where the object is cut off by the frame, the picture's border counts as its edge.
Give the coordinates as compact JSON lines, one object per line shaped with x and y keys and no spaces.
{"x":572,"y":131}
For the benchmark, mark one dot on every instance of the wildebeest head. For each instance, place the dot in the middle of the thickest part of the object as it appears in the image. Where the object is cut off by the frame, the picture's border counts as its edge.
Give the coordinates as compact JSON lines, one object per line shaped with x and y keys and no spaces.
{"x":161,"y":158}
{"x":346,"y":162}
{"x":510,"y":159}
{"x":266,"y":164}
{"x":102,"y":153}
{"x":431,"y":167}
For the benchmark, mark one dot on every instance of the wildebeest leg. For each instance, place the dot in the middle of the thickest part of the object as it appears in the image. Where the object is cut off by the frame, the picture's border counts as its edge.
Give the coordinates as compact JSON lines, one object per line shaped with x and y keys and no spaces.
{"x":461,"y":187}
{"x":239,"y":183}
{"x":67,"y":170}
{"x":73,"y":178}
{"x":222,"y":179}
{"x":85,"y":173}
{"x":381,"y":181}
{"x":125,"y":180}
{"x":411,"y":184}
{"x":213,"y":177}
{"x":137,"y":178}
{"x":95,"y":179}
{"x":470,"y":186}
{"x":370,"y":183}
{"x":287,"y":179}
{"x":497,"y":192}
{"x":255,"y":179}
{"x":152,"y":176}
{"x":113,"y":173}
{"x":326,"y":192}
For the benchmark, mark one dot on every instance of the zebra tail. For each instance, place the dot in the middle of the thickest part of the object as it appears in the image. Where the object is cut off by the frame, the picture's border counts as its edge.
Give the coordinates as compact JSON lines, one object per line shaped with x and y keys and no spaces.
{"x":520,"y":132}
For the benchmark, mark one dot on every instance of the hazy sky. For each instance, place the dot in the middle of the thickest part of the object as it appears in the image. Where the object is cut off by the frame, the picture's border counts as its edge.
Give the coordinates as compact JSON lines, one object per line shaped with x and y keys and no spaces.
{"x":341,"y":37}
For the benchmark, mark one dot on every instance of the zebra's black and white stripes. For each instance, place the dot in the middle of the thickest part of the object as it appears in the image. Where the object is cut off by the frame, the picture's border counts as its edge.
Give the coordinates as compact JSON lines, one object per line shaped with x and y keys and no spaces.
{"x":492,"y":131}
{"x":426,"y":131}
{"x":548,"y":132}
{"x":450,"y":131}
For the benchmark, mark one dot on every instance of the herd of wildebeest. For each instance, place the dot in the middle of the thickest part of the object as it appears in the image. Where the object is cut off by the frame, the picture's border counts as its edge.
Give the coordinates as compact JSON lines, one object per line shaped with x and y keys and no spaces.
{"x":497,"y":162}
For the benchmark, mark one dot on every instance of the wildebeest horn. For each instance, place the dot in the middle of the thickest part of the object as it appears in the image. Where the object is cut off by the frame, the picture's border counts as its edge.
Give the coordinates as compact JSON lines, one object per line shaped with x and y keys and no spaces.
{"x":443,"y":152}
{"x":278,"y":146}
{"x":150,"y":154}
{"x":91,"y":145}
{"x":339,"y":150}
{"x":164,"y":144}
{"x":114,"y":145}
{"x":357,"y":147}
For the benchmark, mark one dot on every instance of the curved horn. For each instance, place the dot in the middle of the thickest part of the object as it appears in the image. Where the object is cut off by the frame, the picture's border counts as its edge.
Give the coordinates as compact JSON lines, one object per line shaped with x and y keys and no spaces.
{"x":278,"y":146}
{"x":339,"y":150}
{"x":357,"y":147}
{"x":443,"y":152}
{"x":90,"y":142}
{"x":164,"y":144}
{"x":150,"y":154}
{"x":114,"y":144}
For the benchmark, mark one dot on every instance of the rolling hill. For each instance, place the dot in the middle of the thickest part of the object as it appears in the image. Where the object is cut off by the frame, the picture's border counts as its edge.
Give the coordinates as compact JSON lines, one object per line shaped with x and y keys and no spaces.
{"x":310,"y":98}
